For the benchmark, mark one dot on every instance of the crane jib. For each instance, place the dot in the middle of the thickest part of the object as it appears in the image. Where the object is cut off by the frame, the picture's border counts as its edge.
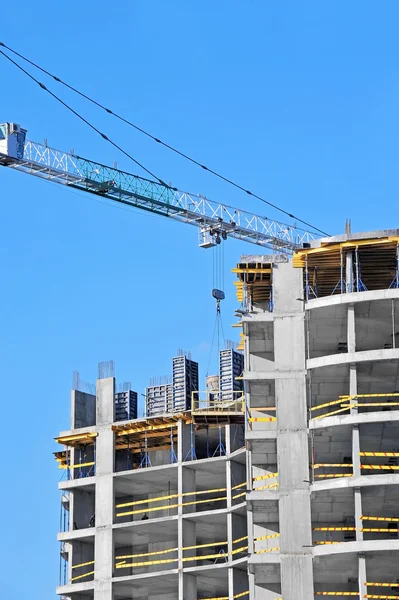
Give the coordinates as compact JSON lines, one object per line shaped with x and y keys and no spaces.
{"x":215,"y":221}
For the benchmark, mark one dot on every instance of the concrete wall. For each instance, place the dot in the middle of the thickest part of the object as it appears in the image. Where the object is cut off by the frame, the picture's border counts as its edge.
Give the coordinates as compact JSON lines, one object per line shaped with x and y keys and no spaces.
{"x":292,"y":439}
{"x":83,"y":409}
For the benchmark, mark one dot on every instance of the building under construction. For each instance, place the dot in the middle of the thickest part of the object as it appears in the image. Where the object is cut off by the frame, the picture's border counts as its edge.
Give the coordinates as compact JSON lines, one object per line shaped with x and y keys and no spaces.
{"x":280,"y":482}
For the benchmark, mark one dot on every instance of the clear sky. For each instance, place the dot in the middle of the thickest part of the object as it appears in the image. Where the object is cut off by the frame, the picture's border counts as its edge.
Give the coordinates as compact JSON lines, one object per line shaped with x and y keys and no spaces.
{"x":296,"y":100}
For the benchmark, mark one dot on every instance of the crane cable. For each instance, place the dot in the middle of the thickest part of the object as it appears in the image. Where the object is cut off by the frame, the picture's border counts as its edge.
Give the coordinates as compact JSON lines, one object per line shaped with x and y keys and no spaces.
{"x":155,"y":139}
{"x":218,"y":283}
{"x":105,"y":137}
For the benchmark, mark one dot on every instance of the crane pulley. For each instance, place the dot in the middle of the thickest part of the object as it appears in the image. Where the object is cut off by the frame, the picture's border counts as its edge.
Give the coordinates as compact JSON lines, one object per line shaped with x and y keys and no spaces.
{"x":215,"y":221}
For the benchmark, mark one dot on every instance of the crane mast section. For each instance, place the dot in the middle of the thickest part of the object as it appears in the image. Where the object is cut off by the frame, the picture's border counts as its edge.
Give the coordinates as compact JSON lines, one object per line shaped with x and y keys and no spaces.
{"x":209,"y":216}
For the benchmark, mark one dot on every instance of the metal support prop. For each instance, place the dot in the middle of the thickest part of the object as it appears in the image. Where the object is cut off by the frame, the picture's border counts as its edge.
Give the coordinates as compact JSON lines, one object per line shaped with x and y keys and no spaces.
{"x":173,"y":457}
{"x":341,"y":285}
{"x":145,"y":460}
{"x":191,"y":455}
{"x":359,"y":285}
{"x":271,"y":299}
{"x":395,"y":280}
{"x":309,"y":290}
{"x":220,"y":447}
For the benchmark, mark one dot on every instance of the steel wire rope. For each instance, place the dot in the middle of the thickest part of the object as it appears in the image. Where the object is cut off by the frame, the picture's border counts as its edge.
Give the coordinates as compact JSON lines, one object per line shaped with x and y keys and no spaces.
{"x":105,"y":137}
{"x":155,"y":139}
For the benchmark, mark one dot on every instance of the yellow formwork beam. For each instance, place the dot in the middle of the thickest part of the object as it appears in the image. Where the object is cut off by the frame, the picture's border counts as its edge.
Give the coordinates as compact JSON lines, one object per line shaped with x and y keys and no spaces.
{"x":299,"y":258}
{"x":77,"y":438}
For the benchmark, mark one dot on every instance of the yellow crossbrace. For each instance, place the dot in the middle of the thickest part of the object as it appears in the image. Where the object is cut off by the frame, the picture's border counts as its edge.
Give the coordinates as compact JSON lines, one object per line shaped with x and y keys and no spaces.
{"x":379,"y":530}
{"x":142,"y":555}
{"x":376,"y":596}
{"x":339,"y":401}
{"x":379,"y":453}
{"x":241,"y":595}
{"x":320,"y":465}
{"x":81,"y":576}
{"x":373,"y":404}
{"x":267,"y":551}
{"x":334,"y":528}
{"x":91,"y":562}
{"x":77,"y":466}
{"x":265,"y":487}
{"x":174,"y":496}
{"x":380,"y":467}
{"x":268,"y":476}
{"x":239,"y":495}
{"x":332,"y":475}
{"x":334,"y":412}
{"x":267,"y":537}
{"x":167,"y":506}
{"x":124,"y":557}
{"x":392,"y":395}
{"x":374,"y":584}
{"x":390,"y":519}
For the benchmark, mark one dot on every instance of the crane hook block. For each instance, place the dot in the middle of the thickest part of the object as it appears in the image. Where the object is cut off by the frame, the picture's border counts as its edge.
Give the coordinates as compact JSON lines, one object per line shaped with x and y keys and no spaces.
{"x":218,"y":294}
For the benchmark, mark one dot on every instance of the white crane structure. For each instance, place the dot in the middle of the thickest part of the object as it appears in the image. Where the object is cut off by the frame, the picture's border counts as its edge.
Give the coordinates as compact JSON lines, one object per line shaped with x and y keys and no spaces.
{"x":215,"y":221}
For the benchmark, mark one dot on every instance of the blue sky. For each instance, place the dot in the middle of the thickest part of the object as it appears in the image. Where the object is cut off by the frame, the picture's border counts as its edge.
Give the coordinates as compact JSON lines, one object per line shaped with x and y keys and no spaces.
{"x":296,"y":100}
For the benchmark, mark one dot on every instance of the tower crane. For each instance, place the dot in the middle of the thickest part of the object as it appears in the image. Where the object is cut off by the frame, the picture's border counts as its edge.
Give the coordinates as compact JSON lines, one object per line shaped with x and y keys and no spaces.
{"x":215,"y":221}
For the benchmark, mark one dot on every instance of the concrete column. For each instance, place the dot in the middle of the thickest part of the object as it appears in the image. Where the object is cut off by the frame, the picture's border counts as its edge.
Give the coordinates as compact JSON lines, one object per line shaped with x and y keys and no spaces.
{"x":186,"y":533}
{"x":358,"y":514}
{"x":292,"y":436}
{"x":228,"y":439}
{"x":349,"y":279}
{"x":229,"y":516}
{"x":251,"y":586}
{"x":104,"y":502}
{"x":187,"y":586}
{"x":351,"y":340}
{"x":230,"y":579}
{"x":239,"y":580}
{"x":184,"y":435}
{"x":186,"y":538}
{"x":362,"y":576}
{"x":228,"y":483}
{"x":185,"y":483}
{"x":356,"y":451}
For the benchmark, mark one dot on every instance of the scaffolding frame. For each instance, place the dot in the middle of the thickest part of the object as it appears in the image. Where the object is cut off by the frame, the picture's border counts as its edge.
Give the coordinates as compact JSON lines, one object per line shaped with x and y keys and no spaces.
{"x":374,"y":260}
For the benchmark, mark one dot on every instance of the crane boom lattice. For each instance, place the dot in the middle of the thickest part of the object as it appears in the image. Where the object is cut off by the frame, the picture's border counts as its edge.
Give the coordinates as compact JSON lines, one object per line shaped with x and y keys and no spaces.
{"x":212,"y":218}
